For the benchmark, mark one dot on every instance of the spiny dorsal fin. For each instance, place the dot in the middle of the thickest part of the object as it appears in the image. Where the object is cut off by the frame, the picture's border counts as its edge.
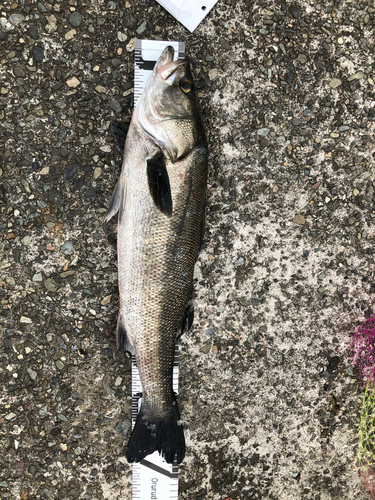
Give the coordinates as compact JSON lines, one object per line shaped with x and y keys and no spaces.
{"x":120,"y":130}
{"x":158,"y":183}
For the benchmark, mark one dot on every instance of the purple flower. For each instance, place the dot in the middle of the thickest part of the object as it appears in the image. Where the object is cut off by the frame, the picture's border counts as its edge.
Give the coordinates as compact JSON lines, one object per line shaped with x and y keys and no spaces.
{"x":363,"y":349}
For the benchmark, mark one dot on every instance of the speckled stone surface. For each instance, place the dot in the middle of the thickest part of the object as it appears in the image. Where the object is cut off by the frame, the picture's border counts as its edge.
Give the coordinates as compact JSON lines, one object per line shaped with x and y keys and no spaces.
{"x":268,"y":396}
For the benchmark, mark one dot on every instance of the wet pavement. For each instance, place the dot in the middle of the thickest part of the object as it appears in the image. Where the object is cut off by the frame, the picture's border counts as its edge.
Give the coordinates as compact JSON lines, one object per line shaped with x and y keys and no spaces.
{"x":268,"y":396}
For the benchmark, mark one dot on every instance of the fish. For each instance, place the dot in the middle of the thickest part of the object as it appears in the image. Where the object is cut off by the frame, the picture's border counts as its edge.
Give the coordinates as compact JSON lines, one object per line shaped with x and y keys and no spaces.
{"x":160,"y":198}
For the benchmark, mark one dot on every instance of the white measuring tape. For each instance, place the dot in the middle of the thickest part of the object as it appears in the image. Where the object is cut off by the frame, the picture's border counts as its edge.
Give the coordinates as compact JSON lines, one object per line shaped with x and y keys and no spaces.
{"x":153,"y":478}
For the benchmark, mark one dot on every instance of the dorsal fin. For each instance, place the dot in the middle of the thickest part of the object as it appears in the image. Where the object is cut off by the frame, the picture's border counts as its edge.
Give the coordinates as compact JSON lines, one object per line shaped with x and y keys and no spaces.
{"x":120,"y":131}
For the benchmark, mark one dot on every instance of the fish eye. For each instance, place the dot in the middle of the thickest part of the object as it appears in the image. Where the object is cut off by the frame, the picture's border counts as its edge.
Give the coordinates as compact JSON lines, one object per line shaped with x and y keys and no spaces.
{"x":186,"y":86}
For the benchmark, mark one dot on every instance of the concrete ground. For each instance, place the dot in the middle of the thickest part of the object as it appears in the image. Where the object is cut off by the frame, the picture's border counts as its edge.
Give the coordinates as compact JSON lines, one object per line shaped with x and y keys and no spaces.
{"x":269,"y":398}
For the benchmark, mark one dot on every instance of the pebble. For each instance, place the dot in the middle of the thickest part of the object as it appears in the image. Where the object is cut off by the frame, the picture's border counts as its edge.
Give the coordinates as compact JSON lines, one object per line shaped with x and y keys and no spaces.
{"x":51,"y":26}
{"x":123,"y":426}
{"x":33,"y":32}
{"x":87,"y":140}
{"x":41,"y":8}
{"x":50,"y":285}
{"x":10,"y":416}
{"x":118,"y":381}
{"x":225,"y":45}
{"x":205,"y":349}
{"x":26,"y":240}
{"x":212,"y":74}
{"x":295,"y":12}
{"x":263,"y":131}
{"x":38,"y":54}
{"x":121,"y":36}
{"x":239,"y":262}
{"x":302,"y":58}
{"x":106,"y":300}
{"x":334,"y":83}
{"x":142,"y":28}
{"x":131,"y":45}
{"x":16,"y":19}
{"x":299,"y":219}
{"x":128,"y":21}
{"x":73,"y":82}
{"x":115,"y":62}
{"x":280,"y":139}
{"x":18,"y":72}
{"x":62,"y":417}
{"x":70,"y":34}
{"x":97,"y":172}
{"x":344,"y":128}
{"x":25,"y":319}
{"x":75,"y":19}
{"x":357,"y":76}
{"x":67,"y":248}
{"x":32,"y":373}
{"x":76,"y":46}
{"x":44,"y":171}
{"x":37,"y":277}
{"x":100,"y":89}
{"x":115,"y":105}
{"x":296,"y":122}
{"x":70,"y":171}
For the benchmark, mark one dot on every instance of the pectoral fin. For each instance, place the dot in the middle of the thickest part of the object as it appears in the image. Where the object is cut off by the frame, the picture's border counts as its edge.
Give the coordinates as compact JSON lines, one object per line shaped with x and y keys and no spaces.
{"x":158,"y":183}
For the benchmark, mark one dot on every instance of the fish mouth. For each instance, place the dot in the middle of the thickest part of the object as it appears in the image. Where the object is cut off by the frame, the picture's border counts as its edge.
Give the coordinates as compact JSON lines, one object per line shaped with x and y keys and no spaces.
{"x":167,"y":67}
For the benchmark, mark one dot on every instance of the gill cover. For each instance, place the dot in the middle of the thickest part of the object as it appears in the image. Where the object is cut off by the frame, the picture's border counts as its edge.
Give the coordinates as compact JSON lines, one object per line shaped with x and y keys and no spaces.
{"x":167,"y":110}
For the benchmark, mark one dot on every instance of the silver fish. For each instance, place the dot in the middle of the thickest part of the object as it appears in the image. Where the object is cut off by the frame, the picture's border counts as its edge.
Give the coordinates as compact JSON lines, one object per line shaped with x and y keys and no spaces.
{"x":160,"y":198}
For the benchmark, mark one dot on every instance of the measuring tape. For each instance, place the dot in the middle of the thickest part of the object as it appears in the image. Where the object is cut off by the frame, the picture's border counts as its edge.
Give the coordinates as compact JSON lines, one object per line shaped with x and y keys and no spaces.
{"x":153,"y":478}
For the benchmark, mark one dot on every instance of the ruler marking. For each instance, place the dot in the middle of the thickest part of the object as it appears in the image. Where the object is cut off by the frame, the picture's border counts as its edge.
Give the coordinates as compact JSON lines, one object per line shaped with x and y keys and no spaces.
{"x":158,"y":469}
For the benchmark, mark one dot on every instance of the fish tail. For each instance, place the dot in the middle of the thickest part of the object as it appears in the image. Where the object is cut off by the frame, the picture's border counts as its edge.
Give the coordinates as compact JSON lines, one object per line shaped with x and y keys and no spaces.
{"x":164,"y":436}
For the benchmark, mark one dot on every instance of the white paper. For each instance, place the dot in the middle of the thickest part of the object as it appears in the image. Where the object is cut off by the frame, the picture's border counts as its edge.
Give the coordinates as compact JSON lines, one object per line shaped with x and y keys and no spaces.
{"x":189,"y":12}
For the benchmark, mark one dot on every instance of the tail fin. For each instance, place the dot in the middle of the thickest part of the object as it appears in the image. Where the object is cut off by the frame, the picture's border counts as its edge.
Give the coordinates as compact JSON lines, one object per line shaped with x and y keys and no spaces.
{"x":166,"y":436}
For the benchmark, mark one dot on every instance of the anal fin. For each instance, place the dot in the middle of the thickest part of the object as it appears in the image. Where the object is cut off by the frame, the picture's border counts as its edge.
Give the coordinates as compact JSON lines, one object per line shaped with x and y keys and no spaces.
{"x":188,"y":317}
{"x":122,"y":339}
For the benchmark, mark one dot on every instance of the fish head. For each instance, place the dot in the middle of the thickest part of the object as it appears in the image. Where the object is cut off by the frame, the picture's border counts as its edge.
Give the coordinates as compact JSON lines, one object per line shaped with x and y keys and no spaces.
{"x":167,"y":111}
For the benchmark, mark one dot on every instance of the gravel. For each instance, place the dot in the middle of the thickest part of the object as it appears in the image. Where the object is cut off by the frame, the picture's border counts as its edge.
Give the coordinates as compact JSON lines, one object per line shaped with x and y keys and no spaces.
{"x":269,"y":398}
